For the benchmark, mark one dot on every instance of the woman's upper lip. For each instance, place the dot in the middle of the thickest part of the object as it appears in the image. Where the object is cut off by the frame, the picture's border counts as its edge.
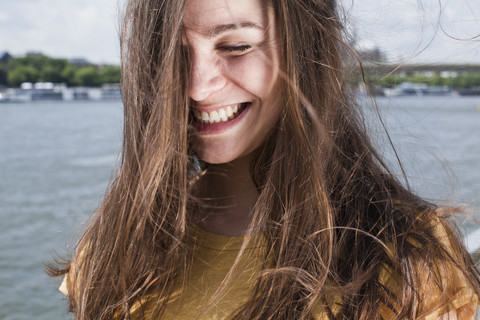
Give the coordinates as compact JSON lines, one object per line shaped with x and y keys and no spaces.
{"x":213,"y":107}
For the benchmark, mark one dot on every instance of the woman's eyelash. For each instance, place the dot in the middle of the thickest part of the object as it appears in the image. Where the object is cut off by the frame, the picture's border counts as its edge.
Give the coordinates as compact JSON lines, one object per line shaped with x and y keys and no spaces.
{"x":240,"y":48}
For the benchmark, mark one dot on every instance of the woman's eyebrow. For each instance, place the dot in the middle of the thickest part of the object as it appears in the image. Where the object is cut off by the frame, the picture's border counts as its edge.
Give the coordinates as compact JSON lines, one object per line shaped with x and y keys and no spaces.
{"x":218,"y":29}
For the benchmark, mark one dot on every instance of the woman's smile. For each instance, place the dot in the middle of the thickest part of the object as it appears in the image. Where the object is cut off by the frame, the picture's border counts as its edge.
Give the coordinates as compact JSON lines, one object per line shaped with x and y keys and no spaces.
{"x":218,"y":119}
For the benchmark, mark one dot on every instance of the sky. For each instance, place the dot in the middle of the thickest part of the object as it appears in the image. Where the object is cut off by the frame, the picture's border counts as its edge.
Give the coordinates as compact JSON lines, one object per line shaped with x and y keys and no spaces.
{"x":440,"y":31}
{"x":435,"y":31}
{"x":61,"y":28}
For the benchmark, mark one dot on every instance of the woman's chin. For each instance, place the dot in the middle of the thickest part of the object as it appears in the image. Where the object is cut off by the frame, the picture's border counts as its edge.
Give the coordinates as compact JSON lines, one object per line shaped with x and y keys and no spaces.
{"x":213,"y":158}
{"x":218,"y":153}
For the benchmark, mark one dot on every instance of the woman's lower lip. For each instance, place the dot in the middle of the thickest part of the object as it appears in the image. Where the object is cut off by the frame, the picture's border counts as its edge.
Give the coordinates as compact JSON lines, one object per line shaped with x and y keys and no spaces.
{"x":219,"y":127}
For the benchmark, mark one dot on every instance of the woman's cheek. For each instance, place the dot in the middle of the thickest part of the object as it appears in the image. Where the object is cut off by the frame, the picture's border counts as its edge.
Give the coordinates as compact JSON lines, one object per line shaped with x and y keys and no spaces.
{"x":253,"y":72}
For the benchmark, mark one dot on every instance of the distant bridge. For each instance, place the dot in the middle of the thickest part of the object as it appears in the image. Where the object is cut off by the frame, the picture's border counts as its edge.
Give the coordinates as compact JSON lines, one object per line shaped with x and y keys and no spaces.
{"x":383,"y":69}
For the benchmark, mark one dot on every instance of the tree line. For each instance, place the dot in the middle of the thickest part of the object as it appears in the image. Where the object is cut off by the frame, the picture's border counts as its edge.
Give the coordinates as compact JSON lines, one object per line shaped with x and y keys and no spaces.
{"x":461,"y":81}
{"x":41,"y":68}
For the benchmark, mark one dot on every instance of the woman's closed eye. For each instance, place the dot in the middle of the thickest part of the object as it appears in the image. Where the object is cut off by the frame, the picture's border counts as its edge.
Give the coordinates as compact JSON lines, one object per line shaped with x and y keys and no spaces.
{"x":235,"y":50}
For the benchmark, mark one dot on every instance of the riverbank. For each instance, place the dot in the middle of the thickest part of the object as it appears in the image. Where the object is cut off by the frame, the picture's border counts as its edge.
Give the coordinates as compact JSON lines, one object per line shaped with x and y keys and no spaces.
{"x":47,"y":91}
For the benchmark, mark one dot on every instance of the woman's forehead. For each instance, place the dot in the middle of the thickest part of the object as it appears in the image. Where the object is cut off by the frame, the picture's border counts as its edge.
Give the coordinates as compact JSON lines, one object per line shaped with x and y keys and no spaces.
{"x":202,"y":15}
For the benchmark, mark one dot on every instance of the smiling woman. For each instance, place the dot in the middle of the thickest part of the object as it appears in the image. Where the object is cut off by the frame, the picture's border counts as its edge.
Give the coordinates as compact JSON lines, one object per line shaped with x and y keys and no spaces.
{"x":248,"y":187}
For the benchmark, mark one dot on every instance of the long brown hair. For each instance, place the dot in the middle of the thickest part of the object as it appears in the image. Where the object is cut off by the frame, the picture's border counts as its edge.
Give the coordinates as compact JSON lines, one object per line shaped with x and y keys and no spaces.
{"x":323,"y":187}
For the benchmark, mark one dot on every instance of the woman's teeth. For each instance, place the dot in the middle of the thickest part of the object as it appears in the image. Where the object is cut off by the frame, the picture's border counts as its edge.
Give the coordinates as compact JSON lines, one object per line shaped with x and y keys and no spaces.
{"x":220,"y":115}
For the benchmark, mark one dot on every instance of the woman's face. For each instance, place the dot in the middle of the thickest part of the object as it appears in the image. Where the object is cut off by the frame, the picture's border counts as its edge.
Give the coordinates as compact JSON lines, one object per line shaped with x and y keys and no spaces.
{"x":234,"y":76}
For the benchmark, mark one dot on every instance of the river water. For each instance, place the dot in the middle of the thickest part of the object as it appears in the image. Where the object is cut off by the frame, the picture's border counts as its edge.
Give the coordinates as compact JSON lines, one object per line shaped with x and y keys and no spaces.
{"x":56,"y":159}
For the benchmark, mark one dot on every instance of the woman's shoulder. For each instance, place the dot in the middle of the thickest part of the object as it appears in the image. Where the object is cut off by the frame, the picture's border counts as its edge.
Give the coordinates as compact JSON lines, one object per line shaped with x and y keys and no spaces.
{"x":439,"y":277}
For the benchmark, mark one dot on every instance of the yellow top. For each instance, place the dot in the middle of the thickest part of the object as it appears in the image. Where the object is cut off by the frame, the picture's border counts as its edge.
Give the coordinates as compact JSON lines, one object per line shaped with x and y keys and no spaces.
{"x":213,"y":256}
{"x":458,"y":298}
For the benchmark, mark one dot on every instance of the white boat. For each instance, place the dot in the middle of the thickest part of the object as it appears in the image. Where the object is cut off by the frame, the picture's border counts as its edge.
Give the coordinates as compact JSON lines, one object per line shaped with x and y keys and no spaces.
{"x":417,"y":89}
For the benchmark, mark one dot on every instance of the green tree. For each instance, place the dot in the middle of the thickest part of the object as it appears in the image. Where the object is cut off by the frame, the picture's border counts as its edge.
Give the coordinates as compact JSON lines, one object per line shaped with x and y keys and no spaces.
{"x":68,"y":74}
{"x":110,"y":74}
{"x":388,"y":81}
{"x":476,"y":80}
{"x":50,"y":74}
{"x":87,"y":76}
{"x":436,"y":80}
{"x":3,"y":75}
{"x":22,"y":74}
{"x":46,"y":68}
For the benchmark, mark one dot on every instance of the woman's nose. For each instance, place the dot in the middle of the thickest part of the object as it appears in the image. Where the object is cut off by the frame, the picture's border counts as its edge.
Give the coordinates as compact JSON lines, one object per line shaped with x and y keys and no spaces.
{"x":206,"y":76}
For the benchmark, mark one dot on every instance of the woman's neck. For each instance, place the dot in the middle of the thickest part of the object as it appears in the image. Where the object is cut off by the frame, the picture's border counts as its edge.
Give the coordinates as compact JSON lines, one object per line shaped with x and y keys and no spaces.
{"x":229,"y":195}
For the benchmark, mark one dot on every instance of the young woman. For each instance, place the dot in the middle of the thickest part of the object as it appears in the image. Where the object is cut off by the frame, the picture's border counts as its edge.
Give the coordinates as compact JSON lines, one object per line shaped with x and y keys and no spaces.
{"x":248,"y":188}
